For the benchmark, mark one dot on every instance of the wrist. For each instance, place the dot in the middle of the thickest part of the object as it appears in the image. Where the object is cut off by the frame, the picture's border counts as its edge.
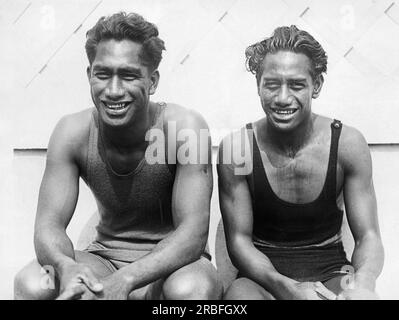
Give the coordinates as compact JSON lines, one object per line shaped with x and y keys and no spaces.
{"x":126,"y":279}
{"x":281,"y":286}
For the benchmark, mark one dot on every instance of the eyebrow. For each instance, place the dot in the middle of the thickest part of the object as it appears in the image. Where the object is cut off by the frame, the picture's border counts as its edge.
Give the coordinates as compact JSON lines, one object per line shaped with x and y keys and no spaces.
{"x":123,"y":69}
{"x":293,"y":80}
{"x":297,"y":80}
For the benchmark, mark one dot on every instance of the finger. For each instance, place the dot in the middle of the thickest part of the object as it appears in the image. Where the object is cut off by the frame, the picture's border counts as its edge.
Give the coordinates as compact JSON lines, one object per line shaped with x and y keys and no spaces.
{"x":322,"y":290}
{"x":91,"y":281}
{"x":72,"y":292}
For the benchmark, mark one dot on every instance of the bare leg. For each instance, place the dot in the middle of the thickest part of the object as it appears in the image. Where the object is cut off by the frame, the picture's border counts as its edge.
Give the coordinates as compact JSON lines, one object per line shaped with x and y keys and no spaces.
{"x":246,"y":289}
{"x":197,"y":280}
{"x":34,"y":283}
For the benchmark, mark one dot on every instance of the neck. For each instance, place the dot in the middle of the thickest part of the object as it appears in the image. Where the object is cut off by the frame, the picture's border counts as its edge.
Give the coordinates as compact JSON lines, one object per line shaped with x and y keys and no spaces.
{"x":126,"y":137}
{"x":290,"y":142}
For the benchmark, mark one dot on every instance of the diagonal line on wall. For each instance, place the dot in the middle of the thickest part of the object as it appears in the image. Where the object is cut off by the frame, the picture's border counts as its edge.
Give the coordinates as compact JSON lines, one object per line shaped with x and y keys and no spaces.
{"x":62,"y":45}
{"x":234,"y":28}
{"x":350,"y":53}
{"x":361,"y":63}
{"x":325,"y":30}
{"x":195,"y":45}
{"x":389,"y":12}
{"x":22,"y":13}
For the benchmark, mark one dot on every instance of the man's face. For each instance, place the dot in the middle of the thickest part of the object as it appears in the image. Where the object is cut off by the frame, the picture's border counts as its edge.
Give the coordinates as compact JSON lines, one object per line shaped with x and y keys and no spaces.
{"x":120,"y":83}
{"x":286,"y":89}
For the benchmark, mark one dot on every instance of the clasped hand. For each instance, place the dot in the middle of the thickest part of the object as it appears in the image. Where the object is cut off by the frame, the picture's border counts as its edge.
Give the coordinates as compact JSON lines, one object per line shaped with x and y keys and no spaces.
{"x":79,"y":283}
{"x":312,"y":291}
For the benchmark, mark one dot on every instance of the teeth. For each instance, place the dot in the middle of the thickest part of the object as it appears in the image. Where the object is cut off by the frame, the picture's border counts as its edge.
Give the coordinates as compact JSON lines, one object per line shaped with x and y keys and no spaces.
{"x":290,"y":111}
{"x":118,"y":106}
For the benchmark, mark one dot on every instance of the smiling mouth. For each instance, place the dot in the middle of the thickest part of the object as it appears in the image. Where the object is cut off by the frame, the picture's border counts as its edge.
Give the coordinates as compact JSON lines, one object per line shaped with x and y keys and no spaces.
{"x":284,"y":111}
{"x":116,"y":108}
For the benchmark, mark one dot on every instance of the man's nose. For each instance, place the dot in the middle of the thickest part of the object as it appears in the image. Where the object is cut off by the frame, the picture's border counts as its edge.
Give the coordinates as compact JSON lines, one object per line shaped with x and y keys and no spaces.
{"x":114,"y":89}
{"x":284,"y":98}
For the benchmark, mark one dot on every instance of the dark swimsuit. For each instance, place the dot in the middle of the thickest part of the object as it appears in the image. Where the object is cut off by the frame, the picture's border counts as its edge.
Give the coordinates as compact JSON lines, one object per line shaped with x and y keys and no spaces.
{"x":292,"y":235}
{"x":135,"y":209}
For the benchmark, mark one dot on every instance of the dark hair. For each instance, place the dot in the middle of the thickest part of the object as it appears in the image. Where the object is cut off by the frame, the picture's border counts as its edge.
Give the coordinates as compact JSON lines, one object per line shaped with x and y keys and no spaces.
{"x":132,"y":26}
{"x":287,"y":39}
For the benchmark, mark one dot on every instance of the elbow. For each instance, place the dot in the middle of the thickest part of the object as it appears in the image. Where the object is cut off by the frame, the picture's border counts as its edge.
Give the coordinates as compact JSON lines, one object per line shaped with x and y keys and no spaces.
{"x":371,"y":238}
{"x":194,"y":245}
{"x":200,"y":245}
{"x":237,"y":250}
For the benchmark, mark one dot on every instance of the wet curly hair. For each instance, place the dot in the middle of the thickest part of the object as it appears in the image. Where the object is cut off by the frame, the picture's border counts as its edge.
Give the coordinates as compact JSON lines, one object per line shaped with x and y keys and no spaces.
{"x":287,"y":39}
{"x":132,"y":26}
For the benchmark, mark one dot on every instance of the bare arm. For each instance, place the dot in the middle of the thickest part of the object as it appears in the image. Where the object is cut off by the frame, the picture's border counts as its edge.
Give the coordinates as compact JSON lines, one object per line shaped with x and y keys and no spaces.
{"x":190,"y":209}
{"x":57,"y":201}
{"x":361,"y":209}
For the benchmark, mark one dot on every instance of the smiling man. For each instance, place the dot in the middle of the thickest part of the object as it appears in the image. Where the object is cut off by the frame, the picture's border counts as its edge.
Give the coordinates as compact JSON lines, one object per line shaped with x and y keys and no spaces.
{"x":283,"y":216}
{"x":154,"y":215}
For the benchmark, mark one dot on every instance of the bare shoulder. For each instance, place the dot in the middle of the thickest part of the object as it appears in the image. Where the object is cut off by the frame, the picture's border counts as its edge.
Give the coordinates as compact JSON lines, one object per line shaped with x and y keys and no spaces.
{"x":71,"y":132}
{"x":353,"y":149}
{"x":349,"y":138}
{"x":235,"y":151}
{"x":185,"y":117}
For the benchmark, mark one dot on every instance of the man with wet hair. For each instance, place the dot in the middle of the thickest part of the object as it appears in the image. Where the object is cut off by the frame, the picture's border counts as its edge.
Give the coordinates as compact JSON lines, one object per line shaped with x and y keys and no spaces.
{"x":283,"y":214}
{"x":154,"y":215}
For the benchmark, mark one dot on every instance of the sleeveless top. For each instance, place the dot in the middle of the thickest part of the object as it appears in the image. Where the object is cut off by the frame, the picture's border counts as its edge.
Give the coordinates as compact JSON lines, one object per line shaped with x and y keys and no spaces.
{"x":135,"y":208}
{"x":281,"y":223}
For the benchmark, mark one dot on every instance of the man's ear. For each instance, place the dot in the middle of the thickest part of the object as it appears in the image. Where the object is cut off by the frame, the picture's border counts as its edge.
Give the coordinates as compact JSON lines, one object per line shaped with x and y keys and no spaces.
{"x":154,"y":81}
{"x":88,"y":72}
{"x":317,"y":85}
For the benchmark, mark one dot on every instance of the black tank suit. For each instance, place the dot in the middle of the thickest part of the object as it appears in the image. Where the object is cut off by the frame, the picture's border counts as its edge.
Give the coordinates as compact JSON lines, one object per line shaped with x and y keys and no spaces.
{"x":292,"y":235}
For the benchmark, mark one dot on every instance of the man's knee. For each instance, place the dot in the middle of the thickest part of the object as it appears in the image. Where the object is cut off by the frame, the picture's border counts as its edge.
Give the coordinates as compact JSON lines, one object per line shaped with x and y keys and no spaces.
{"x":245,"y":289}
{"x":34,"y":282}
{"x":191,"y":286}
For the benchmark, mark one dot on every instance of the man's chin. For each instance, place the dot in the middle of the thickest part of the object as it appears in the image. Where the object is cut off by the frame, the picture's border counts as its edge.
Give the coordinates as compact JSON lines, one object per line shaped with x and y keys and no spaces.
{"x":283,"y":126}
{"x":110,"y":121}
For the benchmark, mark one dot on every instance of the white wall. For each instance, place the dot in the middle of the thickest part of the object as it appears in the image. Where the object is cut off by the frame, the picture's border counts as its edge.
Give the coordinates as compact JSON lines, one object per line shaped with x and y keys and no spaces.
{"x":43,"y":59}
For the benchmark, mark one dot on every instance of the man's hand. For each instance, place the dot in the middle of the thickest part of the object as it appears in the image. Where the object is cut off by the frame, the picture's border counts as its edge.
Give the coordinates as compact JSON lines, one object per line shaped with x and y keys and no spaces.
{"x":114,"y":288}
{"x":311,"y":291}
{"x":76,"y":280}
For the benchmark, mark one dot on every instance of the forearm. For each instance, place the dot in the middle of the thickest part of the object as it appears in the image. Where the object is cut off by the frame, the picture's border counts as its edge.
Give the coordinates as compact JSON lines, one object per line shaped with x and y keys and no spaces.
{"x":256,"y":266}
{"x":182,"y":247}
{"x":368,"y":260}
{"x":53,"y":247}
